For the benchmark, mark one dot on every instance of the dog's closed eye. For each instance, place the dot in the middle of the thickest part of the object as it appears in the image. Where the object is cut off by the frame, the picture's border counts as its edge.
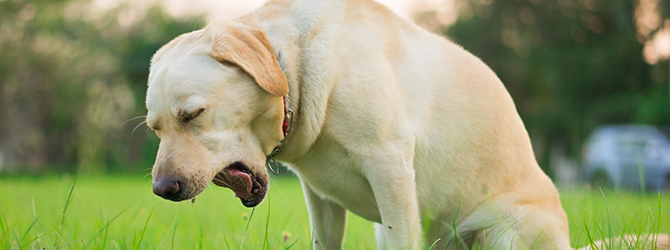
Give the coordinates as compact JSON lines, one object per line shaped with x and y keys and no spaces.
{"x":188,"y":116}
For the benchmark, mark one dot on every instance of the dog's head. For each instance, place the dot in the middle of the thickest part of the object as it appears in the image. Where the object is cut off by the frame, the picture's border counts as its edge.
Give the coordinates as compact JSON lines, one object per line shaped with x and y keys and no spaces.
{"x":215,"y":101}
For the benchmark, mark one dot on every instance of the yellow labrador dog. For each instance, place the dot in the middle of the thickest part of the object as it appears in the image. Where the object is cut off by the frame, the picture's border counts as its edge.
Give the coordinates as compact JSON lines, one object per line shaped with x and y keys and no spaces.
{"x":388,"y":121}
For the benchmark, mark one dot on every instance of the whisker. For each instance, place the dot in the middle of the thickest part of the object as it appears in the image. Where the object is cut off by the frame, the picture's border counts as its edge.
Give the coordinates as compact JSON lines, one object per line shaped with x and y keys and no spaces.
{"x":138,"y":125}
{"x":220,"y":180}
{"x":149,"y":183}
{"x":134,"y":118}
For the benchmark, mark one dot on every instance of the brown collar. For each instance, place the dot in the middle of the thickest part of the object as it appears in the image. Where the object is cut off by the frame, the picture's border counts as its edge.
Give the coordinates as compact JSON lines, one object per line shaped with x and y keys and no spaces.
{"x":270,"y":161}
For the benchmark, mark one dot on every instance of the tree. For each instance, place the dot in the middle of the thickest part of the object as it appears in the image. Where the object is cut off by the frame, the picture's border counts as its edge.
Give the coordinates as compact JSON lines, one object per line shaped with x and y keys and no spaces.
{"x":68,"y":81}
{"x":570,"y":65}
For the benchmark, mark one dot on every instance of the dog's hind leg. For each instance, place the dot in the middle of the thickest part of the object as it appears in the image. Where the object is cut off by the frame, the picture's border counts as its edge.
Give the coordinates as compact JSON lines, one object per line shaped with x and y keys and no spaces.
{"x":327,"y":220}
{"x":541,"y":225}
{"x":497,"y":224}
{"x":500,"y":224}
{"x":440,"y":235}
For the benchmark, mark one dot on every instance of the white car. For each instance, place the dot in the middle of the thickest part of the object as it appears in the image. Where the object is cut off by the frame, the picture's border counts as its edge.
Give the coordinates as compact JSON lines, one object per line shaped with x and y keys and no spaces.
{"x":615,"y":155}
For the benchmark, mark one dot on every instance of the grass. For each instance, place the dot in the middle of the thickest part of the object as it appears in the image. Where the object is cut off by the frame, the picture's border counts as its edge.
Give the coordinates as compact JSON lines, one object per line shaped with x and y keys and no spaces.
{"x":594,"y":215}
{"x":121,"y":212}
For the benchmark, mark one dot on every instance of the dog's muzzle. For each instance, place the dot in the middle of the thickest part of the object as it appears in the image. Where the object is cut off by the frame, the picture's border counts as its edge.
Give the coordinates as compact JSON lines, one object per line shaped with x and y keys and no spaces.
{"x":171,"y":189}
{"x":250,"y":187}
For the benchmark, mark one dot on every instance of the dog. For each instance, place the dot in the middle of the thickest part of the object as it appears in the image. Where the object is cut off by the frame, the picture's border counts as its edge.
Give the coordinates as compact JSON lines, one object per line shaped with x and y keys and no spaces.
{"x":375,"y":116}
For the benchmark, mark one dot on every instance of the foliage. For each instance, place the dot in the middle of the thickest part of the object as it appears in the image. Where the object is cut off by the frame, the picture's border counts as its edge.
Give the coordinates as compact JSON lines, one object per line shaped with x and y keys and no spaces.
{"x":570,"y":65}
{"x":69,"y":78}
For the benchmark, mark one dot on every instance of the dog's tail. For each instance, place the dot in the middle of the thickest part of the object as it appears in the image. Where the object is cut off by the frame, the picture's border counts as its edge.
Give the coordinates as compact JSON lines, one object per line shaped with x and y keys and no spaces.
{"x":652,"y":242}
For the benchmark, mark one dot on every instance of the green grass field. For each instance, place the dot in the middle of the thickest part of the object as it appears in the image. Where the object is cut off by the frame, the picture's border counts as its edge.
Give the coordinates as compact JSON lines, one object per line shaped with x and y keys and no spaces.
{"x":121,"y":212}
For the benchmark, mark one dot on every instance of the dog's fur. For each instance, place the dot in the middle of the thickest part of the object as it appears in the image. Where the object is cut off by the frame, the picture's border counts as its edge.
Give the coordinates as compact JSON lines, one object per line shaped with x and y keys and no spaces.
{"x":392,"y":123}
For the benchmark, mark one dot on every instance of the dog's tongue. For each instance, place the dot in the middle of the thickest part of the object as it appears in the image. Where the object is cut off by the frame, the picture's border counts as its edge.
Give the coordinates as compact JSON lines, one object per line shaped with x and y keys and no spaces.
{"x":238,"y":181}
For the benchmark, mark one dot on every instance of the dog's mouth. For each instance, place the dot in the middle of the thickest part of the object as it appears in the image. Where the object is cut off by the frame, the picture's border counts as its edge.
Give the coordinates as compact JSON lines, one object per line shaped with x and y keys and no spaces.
{"x":248,"y":186}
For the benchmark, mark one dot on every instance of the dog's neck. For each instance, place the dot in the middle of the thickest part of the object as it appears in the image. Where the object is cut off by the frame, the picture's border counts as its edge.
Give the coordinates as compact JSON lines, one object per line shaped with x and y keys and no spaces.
{"x":283,"y":41}
{"x":286,"y":56}
{"x":287,"y":35}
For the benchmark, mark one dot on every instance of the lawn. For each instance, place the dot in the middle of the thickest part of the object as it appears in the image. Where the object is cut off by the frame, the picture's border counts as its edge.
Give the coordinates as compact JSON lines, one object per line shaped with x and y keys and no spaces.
{"x":121,"y":212}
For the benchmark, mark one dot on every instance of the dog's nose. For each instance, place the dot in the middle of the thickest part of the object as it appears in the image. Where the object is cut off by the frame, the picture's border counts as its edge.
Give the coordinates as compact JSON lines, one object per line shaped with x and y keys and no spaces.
{"x":168,"y":189}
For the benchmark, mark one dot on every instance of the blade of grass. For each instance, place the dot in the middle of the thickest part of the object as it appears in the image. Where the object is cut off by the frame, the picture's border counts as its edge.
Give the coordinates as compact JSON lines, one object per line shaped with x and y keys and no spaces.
{"x":267,"y":224}
{"x":105,"y":226}
{"x":642,"y":227}
{"x":67,"y":204}
{"x":577,"y":241}
{"x":32,"y":240}
{"x":484,"y":241}
{"x":532,"y":246}
{"x":247,"y":228}
{"x":174,"y":233}
{"x":609,"y":223}
{"x":15,"y":237}
{"x":323,"y":240}
{"x":280,"y":239}
{"x":139,"y":243}
{"x":630,"y":220}
{"x":28,"y":230}
{"x":292,"y":244}
{"x":174,"y":222}
{"x":637,"y":232}
{"x":661,"y":210}
{"x":5,"y":228}
{"x":603,"y":243}
{"x":658,"y":228}
{"x":622,"y":239}
{"x":224,"y":237}
{"x":32,"y":200}
{"x":453,"y":226}
{"x":54,"y":231}
{"x":588,"y":235}
{"x":432,"y":246}
{"x":649,"y":238}
{"x":195,"y":218}
{"x":507,"y":228}
{"x":132,"y":244}
{"x":68,"y":244}
{"x":104,"y":238}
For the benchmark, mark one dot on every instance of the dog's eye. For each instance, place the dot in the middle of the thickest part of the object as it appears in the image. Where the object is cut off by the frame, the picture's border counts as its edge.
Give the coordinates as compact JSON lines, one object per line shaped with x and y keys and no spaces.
{"x":193,"y":115}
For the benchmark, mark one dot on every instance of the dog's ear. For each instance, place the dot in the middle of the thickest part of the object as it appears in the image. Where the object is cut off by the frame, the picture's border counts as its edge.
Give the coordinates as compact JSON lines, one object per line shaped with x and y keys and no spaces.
{"x":249,"y":49}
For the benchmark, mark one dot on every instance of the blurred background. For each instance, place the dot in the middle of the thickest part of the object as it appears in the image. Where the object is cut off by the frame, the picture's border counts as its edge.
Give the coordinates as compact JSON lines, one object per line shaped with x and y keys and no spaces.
{"x":73,"y":73}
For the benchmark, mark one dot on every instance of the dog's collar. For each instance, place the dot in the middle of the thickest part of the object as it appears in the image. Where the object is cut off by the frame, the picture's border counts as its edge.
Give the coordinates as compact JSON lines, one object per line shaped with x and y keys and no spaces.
{"x":270,"y":161}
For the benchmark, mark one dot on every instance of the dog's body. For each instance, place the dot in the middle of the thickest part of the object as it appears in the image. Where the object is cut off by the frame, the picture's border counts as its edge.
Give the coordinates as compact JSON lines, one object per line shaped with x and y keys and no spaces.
{"x":392,"y":123}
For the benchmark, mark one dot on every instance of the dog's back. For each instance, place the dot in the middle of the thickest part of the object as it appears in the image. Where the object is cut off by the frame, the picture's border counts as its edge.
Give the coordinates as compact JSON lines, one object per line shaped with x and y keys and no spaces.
{"x":380,"y":79}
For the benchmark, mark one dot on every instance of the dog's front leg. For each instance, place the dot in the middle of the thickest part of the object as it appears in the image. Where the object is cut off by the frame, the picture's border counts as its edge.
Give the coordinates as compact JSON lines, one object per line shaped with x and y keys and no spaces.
{"x":392,"y":182}
{"x":327,"y":220}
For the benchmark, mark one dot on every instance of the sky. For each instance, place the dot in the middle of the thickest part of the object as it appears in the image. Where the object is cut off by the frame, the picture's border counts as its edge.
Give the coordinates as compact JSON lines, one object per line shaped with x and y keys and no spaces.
{"x":226,"y":9}
{"x":229,"y":9}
